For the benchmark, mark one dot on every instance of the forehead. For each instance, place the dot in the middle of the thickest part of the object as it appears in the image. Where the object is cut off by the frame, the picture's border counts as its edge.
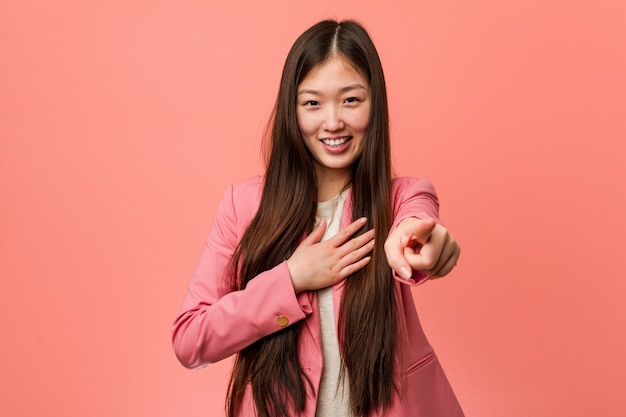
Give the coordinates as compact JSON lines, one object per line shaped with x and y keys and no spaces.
{"x":336,"y":72}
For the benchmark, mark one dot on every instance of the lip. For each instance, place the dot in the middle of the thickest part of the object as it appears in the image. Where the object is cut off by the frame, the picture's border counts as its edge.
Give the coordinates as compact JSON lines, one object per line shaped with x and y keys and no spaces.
{"x":346,"y":138}
{"x":336,"y":149}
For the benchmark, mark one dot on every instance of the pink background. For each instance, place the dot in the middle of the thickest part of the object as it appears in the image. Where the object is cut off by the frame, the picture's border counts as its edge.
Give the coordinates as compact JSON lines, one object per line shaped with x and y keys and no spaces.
{"x":122,"y":122}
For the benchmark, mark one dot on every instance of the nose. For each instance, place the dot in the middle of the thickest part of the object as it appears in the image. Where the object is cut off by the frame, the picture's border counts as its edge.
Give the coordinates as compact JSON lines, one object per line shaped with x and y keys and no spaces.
{"x":332,"y":119}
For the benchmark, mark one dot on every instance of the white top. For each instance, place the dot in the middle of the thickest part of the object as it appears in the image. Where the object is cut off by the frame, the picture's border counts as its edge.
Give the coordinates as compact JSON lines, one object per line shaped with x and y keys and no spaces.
{"x":334,"y":395}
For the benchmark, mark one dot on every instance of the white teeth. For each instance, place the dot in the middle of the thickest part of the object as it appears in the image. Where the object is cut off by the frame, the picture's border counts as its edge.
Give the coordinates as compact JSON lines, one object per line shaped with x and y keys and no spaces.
{"x":335,"y":142}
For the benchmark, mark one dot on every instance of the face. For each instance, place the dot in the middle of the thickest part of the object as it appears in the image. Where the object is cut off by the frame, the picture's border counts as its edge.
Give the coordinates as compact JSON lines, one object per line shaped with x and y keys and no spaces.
{"x":333,"y":110}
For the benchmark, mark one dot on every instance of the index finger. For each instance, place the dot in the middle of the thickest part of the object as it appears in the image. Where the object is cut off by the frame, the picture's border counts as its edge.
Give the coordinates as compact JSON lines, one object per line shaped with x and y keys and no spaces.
{"x":346,"y":233}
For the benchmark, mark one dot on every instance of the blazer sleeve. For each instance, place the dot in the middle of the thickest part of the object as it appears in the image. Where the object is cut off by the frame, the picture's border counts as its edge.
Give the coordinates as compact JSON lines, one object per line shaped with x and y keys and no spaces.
{"x":216,"y":321}
{"x":414,"y":197}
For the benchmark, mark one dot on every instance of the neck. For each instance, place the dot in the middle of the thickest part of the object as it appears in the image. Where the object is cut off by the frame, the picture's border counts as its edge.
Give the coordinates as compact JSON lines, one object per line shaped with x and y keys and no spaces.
{"x":328,"y":186}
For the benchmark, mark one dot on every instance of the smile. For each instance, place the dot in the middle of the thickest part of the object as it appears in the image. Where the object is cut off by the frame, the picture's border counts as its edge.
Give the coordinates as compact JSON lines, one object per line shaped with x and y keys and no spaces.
{"x":336,"y":142}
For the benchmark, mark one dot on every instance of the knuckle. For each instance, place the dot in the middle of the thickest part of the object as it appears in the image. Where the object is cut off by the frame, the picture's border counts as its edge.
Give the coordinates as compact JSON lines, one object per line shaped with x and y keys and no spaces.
{"x":428,"y":264}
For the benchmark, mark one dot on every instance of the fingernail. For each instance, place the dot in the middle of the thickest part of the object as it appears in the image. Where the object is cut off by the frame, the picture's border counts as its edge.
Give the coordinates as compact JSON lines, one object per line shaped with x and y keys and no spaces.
{"x":403,"y":240}
{"x":405,"y":273}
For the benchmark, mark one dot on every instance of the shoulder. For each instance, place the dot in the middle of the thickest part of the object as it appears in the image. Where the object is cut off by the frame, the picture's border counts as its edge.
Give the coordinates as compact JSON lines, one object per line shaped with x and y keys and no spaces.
{"x":247,"y":188}
{"x":404,"y":185}
{"x":242,"y":198}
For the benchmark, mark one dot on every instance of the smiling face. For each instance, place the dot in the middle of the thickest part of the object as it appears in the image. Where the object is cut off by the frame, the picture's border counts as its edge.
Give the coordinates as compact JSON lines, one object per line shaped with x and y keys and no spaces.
{"x":333,"y":110}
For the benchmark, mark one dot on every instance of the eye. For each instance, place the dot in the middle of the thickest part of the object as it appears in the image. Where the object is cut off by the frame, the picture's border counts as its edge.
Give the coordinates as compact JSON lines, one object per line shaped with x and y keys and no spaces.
{"x":352,"y":100}
{"x":311,"y":103}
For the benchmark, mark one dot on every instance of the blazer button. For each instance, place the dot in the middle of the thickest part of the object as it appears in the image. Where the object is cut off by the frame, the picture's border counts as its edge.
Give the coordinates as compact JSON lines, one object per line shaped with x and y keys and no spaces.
{"x":282,"y":321}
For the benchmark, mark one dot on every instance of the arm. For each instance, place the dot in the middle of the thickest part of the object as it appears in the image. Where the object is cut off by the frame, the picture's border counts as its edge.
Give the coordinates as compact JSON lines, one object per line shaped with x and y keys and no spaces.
{"x":418,"y":246}
{"x":215,"y":321}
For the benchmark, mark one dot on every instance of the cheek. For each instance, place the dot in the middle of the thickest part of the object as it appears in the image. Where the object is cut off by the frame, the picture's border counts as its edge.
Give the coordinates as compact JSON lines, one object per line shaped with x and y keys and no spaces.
{"x":361,"y":119}
{"x":306,"y":124}
{"x":362,"y":122}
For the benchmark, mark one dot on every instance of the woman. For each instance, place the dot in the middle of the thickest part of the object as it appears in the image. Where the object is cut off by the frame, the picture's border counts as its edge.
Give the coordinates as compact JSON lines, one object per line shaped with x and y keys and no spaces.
{"x":306,"y":272}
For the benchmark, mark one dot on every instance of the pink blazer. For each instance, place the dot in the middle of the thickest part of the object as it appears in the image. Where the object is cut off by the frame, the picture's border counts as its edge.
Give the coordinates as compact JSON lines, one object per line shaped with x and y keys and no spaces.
{"x":216,"y":322}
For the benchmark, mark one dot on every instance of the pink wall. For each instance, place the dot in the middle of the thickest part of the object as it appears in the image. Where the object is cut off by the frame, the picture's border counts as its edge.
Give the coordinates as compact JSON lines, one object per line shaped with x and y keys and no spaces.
{"x":122,"y":122}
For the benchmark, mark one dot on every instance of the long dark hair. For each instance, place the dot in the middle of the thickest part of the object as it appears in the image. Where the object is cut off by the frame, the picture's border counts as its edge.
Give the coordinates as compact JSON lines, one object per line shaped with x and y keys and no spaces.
{"x":368,"y":328}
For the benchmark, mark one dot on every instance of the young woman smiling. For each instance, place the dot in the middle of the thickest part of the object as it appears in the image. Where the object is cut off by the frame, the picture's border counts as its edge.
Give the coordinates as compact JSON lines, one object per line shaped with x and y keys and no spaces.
{"x":306,"y":272}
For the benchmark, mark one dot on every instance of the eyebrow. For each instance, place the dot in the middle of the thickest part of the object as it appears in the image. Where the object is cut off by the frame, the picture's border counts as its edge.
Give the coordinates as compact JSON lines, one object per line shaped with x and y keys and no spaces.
{"x":342,"y":90}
